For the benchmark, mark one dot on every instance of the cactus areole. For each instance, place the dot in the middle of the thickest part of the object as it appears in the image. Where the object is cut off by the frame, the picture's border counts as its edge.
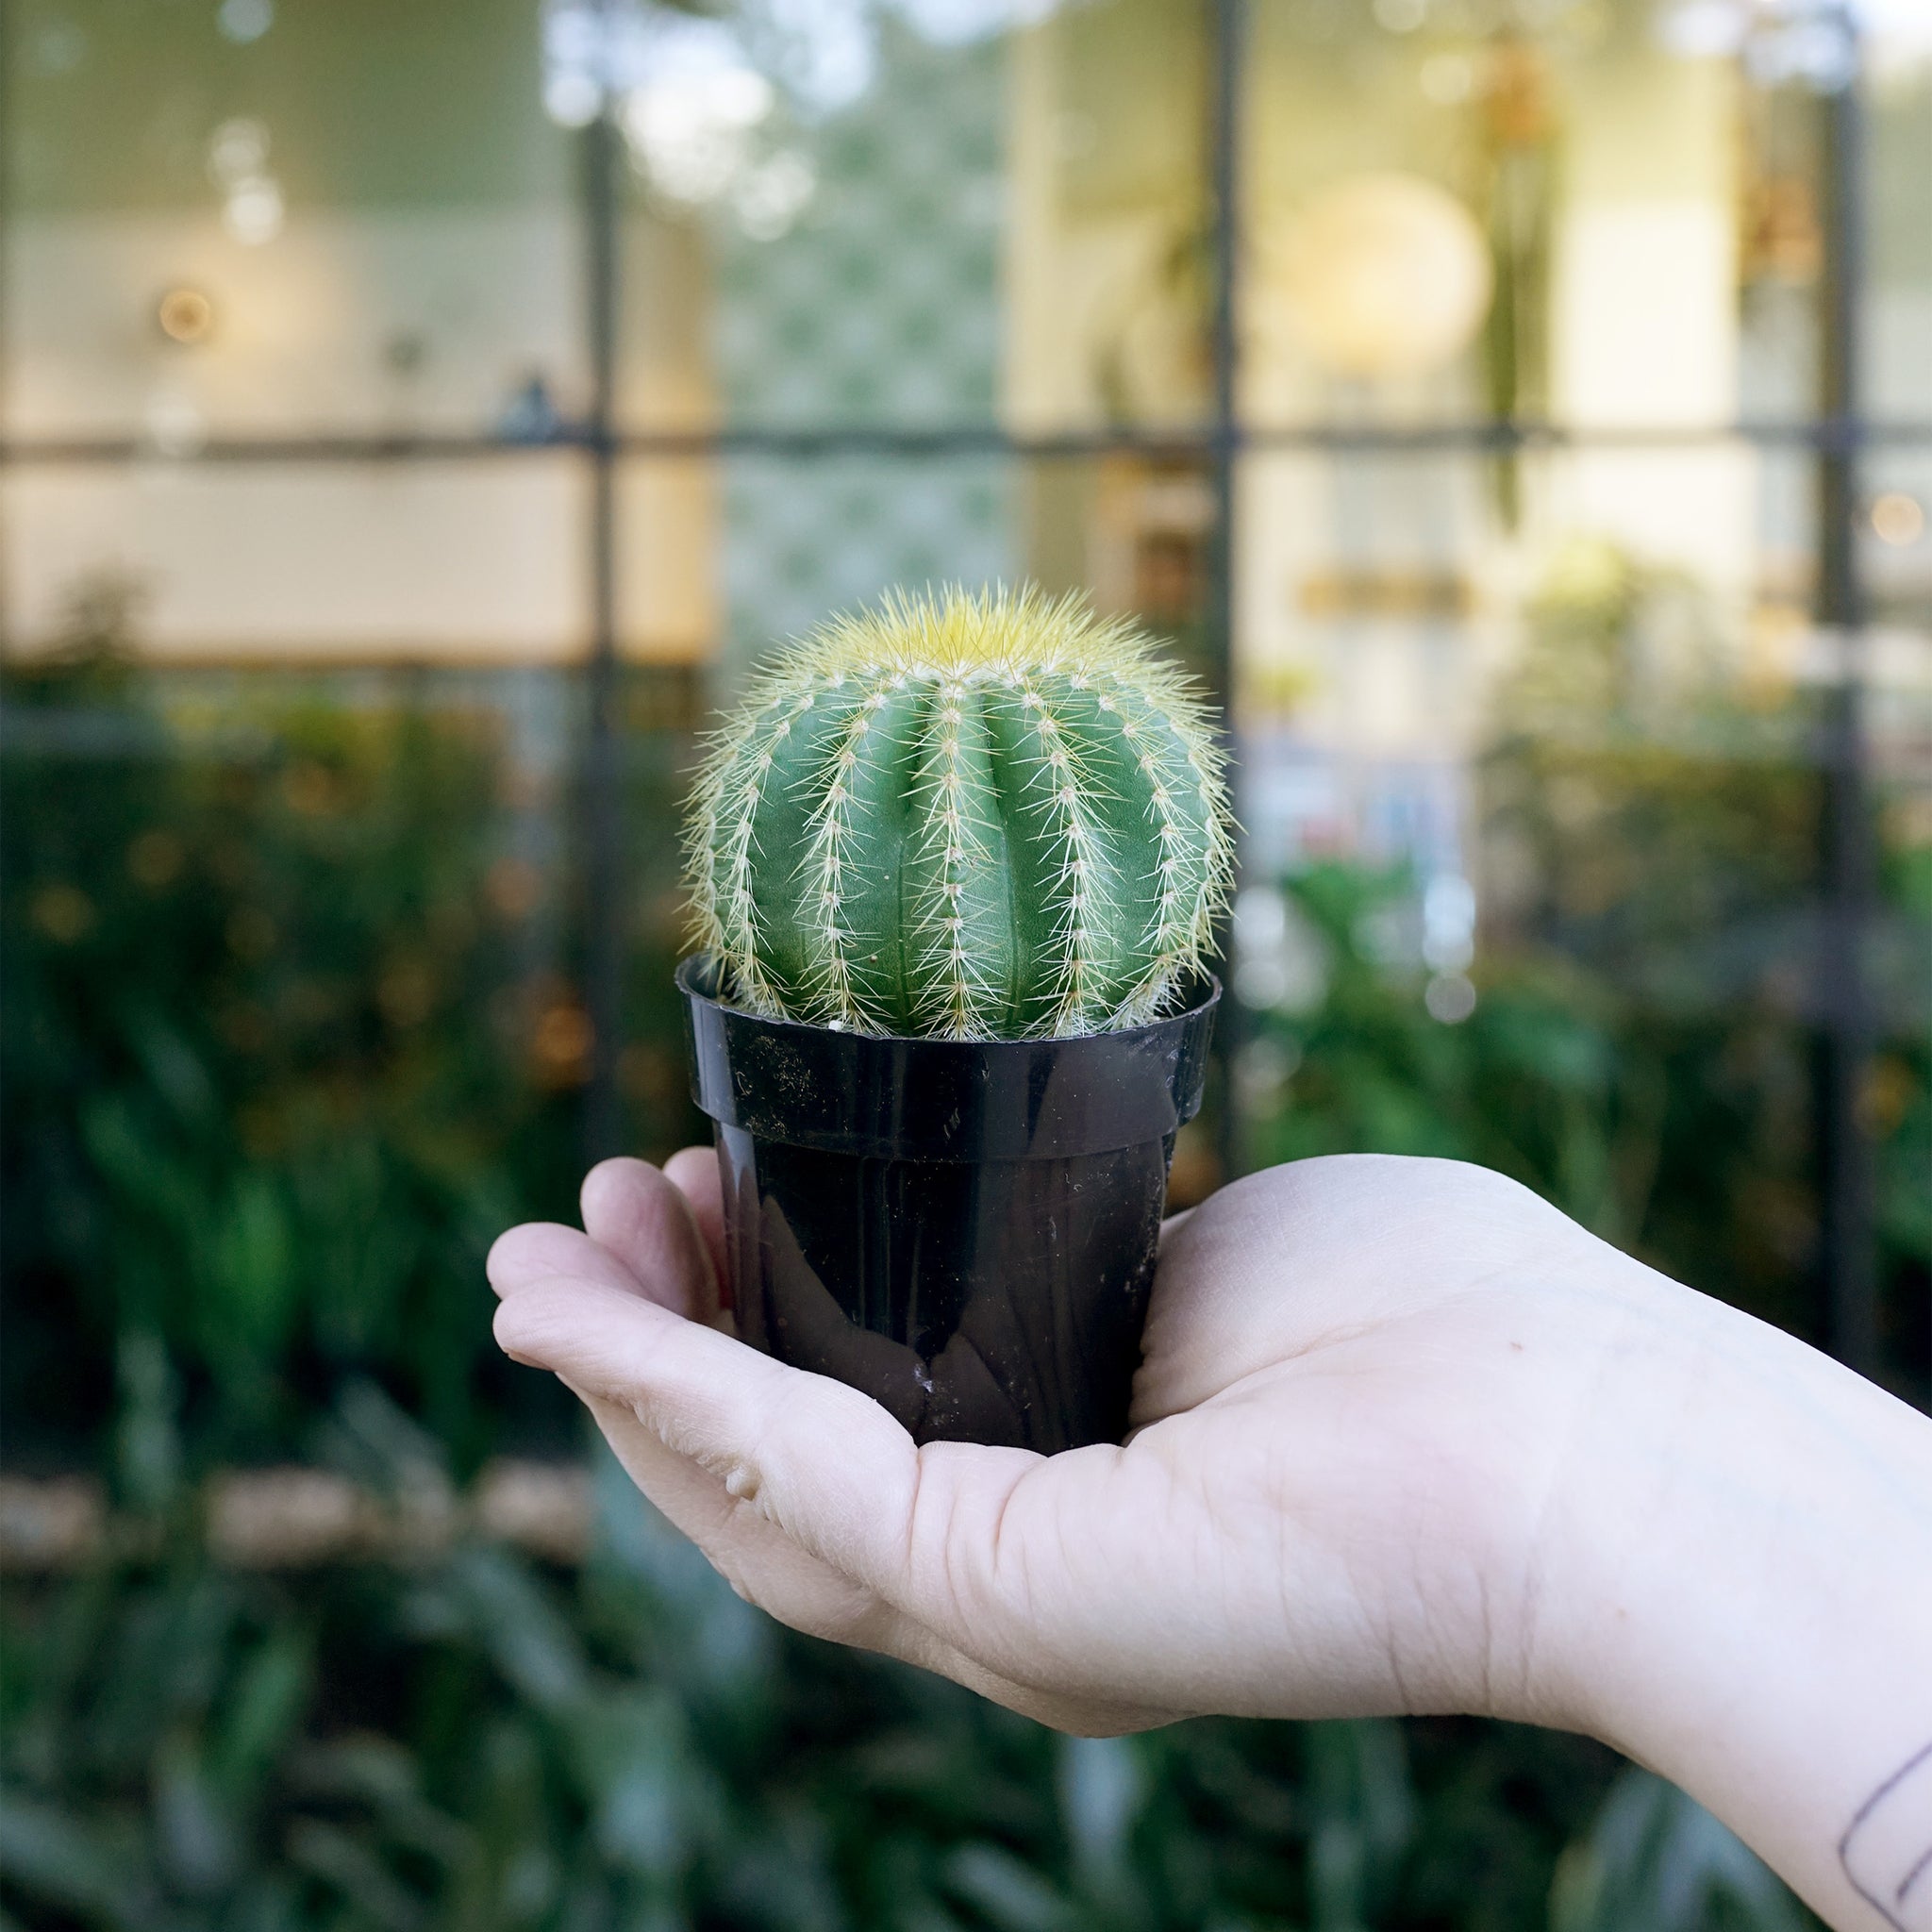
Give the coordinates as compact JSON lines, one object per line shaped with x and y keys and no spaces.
{"x":956,"y":864}
{"x":972,"y":817}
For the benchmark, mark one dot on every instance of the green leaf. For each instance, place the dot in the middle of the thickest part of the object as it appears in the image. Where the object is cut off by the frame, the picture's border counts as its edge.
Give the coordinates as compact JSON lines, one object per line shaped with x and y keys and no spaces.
{"x":263,"y":1710}
{"x":342,"y":1862}
{"x":52,"y":1855}
{"x":1008,"y":1891}
{"x":1101,"y":1788}
{"x":174,"y":1069}
{"x":1656,"y":1861}
{"x":195,"y":1837}
{"x":519,"y":1628}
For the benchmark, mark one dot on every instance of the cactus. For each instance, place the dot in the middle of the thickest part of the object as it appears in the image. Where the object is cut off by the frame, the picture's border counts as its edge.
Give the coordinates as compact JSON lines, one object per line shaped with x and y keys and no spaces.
{"x":976,"y":816}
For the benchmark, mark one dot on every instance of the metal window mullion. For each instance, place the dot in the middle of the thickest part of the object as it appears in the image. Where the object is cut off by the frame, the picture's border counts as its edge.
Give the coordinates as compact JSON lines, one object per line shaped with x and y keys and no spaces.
{"x":912,"y":443}
{"x":601,"y":790}
{"x":1227,"y":51}
{"x":1848,"y":1244}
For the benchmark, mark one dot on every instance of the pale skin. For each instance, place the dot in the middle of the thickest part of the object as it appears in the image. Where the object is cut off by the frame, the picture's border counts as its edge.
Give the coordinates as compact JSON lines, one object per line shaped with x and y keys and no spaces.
{"x":1406,"y":1440}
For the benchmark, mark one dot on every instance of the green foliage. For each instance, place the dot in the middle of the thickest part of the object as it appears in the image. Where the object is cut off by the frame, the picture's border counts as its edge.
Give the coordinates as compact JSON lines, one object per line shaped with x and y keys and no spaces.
{"x":289,"y":1034}
{"x":1643,"y":1045}
{"x":288,"y":1039}
{"x":1680,"y":1131}
{"x":1655,"y":1859}
{"x":982,"y":817}
{"x":1680,"y":1136}
{"x":475,"y":1743}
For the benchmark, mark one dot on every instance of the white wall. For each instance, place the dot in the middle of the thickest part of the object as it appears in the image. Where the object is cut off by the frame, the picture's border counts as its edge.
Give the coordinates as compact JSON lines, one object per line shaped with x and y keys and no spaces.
{"x":485,"y":558}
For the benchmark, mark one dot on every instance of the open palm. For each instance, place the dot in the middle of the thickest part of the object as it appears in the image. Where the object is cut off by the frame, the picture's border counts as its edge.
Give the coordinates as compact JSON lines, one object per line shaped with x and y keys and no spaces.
{"x":1363,"y":1378}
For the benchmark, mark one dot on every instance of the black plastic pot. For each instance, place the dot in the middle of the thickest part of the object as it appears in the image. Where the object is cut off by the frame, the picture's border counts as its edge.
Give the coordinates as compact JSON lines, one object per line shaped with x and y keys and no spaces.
{"x":965,"y":1230}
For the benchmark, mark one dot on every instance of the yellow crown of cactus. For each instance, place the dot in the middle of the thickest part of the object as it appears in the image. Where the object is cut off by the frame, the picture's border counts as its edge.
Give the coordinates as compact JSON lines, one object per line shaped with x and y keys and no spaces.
{"x":978,"y":816}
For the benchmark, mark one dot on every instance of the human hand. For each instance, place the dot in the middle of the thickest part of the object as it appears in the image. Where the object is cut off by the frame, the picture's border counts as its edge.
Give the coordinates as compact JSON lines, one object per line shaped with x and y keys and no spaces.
{"x":1364,"y":1381}
{"x":1404,"y":1439}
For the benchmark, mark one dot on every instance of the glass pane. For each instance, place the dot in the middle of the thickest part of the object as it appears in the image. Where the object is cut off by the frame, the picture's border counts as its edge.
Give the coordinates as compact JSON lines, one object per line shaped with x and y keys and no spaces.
{"x":1899,"y":96}
{"x":289,"y":1034}
{"x":803,"y":537}
{"x":915,"y":218}
{"x":668,"y":547}
{"x":1896,"y":535}
{"x":1896,"y":660}
{"x":799,"y":537}
{"x":1108,"y":258}
{"x":1533,"y":864}
{"x":321,"y":562}
{"x":1611,"y":216}
{"x":252,"y":219}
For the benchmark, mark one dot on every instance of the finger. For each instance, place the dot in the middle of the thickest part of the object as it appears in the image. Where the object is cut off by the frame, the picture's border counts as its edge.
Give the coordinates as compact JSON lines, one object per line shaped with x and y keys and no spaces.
{"x":543,"y":1250}
{"x":696,"y":1174}
{"x":714,"y":1401}
{"x":765,"y":1566}
{"x":828,"y":1466}
{"x":696,"y":1503}
{"x":937,"y":1534}
{"x":760,"y":1561}
{"x":771,"y":1571}
{"x":970,"y":1579}
{"x":633,"y":1211}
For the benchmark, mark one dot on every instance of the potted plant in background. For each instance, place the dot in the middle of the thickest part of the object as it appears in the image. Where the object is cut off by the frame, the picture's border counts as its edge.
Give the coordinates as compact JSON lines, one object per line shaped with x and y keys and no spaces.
{"x":956,"y":865}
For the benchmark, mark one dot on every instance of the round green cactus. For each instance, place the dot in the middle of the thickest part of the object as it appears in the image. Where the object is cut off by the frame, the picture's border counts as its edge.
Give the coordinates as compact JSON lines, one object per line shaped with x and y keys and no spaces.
{"x":977,"y":816}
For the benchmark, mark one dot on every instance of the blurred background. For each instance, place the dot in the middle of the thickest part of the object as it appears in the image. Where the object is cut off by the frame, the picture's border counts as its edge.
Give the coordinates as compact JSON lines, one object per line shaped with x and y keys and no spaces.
{"x":415,"y":414}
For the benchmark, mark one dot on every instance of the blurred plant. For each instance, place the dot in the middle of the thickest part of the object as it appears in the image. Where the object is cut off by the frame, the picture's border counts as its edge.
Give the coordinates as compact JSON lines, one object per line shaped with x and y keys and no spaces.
{"x":290,"y":1032}
{"x":1680,"y":1130}
{"x":1652,"y":828}
{"x":1656,"y":1859}
{"x":473,"y":1742}
{"x":1518,"y":132}
{"x":1638,"y":1043}
{"x":1537,"y":1082}
{"x":1612,"y":645}
{"x":284,"y":1047}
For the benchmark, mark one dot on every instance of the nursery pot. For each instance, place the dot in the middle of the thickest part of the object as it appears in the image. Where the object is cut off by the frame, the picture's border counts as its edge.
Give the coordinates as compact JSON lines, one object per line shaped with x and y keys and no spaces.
{"x":964,"y":1229}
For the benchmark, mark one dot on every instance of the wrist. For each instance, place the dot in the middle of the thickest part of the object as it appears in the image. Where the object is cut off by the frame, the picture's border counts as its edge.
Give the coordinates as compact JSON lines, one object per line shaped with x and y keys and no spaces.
{"x":1743,"y":1571}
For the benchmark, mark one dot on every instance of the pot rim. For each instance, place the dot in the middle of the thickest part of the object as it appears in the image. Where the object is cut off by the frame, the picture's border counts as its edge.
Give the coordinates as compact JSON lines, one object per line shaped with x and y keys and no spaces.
{"x":1204,"y":985}
{"x":919,"y":1098}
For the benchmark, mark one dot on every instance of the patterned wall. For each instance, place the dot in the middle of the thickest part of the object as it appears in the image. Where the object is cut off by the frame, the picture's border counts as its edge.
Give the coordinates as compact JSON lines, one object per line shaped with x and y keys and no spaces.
{"x":879,"y":306}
